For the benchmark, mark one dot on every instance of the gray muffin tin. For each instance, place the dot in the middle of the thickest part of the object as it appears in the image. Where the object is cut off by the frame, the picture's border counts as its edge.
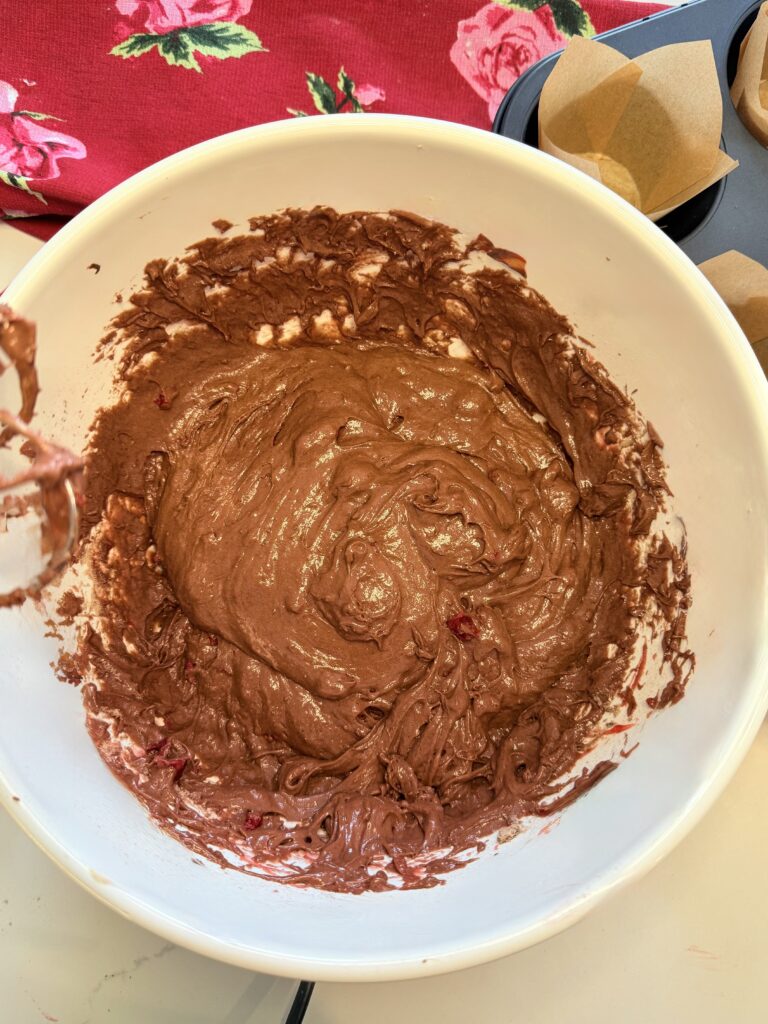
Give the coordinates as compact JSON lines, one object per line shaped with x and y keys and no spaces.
{"x":732,"y":213}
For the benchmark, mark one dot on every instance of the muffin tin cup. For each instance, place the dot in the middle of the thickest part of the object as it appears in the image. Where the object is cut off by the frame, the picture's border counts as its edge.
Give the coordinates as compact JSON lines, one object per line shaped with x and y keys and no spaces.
{"x":732,"y":213}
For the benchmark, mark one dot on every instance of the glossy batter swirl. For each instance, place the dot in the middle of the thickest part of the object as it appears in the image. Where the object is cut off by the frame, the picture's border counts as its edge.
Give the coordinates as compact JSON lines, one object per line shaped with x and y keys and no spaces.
{"x":371,"y":539}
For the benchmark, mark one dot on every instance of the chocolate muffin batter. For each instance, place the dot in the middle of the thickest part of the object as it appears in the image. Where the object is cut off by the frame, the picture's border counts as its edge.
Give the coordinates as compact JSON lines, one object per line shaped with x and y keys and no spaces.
{"x":372,"y":550}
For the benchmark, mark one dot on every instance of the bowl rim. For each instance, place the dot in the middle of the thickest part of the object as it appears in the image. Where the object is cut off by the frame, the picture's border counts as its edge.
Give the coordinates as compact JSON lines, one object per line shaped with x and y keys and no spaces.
{"x":644,"y":855}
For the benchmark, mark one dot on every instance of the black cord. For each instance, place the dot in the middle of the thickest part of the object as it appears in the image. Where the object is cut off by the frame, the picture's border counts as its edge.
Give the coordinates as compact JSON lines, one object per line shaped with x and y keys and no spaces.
{"x":300,"y":1002}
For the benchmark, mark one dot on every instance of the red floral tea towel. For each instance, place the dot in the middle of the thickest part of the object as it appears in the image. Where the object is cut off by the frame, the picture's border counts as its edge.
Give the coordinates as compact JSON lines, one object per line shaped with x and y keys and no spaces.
{"x":93,"y":91}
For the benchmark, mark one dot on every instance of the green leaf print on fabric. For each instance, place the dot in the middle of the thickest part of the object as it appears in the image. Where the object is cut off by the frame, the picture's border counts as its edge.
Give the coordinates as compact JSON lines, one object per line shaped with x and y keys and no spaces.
{"x":134,"y":46}
{"x":354,"y":98}
{"x":33,"y":115}
{"x":16,"y":181}
{"x":347,"y":87}
{"x":177,"y":50}
{"x":570,"y":17}
{"x":224,"y":39}
{"x":322,"y":94}
{"x":219,"y":39}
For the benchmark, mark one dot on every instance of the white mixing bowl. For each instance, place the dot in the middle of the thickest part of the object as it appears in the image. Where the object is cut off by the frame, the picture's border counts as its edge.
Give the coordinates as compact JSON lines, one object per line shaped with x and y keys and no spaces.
{"x":659,"y":328}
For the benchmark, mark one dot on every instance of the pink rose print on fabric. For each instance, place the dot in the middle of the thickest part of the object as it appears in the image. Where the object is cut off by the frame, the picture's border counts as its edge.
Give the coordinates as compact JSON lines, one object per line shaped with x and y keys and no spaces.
{"x":182,"y":30}
{"x":368,"y":94}
{"x":353,"y":97}
{"x":498,"y":44}
{"x":29,"y":148}
{"x":159,"y":16}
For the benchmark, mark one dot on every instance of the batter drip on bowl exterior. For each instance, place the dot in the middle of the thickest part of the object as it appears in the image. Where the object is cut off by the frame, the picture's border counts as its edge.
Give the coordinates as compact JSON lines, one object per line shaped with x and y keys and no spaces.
{"x":371,"y":540}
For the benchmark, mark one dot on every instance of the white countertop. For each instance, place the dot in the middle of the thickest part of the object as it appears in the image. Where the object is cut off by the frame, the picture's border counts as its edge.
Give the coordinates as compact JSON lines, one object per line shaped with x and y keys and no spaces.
{"x":687,"y":943}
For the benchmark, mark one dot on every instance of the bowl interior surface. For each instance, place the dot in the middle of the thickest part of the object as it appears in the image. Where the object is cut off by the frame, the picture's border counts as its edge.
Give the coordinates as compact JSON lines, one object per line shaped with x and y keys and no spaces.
{"x":657,"y":326}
